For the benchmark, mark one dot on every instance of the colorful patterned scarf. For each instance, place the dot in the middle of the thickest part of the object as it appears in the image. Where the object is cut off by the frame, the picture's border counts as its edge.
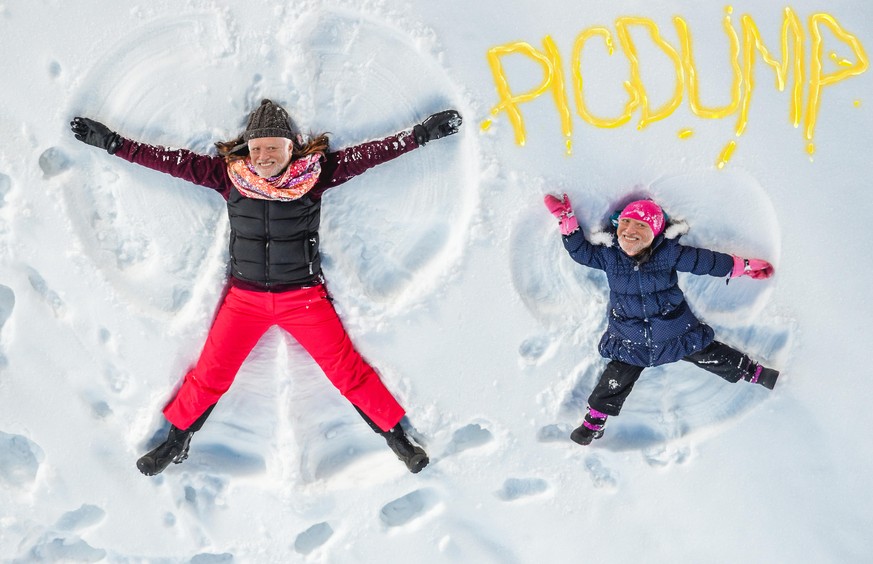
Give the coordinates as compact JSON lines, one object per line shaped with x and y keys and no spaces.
{"x":298,"y":179}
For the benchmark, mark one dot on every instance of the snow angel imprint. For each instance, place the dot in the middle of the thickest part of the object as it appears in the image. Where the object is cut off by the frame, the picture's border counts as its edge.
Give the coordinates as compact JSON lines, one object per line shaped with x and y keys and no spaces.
{"x":273,"y":181}
{"x":649,"y":321}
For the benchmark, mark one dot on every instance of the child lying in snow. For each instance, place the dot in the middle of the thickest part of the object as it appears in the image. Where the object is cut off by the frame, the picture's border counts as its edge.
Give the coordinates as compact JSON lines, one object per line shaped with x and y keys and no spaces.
{"x":649,"y":322}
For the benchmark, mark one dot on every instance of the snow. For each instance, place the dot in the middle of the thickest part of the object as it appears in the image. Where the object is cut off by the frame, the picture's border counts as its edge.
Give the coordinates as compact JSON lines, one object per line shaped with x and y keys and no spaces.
{"x":450,"y":276}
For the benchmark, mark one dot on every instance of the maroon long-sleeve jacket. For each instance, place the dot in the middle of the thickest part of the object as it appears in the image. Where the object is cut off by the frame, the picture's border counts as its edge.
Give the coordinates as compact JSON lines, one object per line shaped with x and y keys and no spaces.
{"x":274,"y":246}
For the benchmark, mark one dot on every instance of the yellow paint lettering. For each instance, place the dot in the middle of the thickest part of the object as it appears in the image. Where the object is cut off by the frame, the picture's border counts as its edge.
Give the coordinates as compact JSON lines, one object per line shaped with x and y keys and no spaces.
{"x":552,"y":78}
{"x":621,"y":25}
{"x":691,"y":72}
{"x":581,"y":107}
{"x":792,"y":38}
{"x":726,"y":154}
{"x":817,"y":79}
{"x":743,"y":50}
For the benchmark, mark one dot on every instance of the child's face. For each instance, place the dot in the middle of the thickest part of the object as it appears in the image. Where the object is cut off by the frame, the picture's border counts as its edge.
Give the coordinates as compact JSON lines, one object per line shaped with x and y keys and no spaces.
{"x":634,"y":236}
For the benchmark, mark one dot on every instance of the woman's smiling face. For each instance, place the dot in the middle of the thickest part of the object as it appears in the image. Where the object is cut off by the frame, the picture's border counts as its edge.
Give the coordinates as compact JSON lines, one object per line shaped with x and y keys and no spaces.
{"x":270,"y":155}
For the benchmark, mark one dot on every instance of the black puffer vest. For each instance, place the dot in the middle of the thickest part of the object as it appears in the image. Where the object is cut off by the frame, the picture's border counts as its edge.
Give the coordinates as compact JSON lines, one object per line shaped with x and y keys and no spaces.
{"x":274,"y":245}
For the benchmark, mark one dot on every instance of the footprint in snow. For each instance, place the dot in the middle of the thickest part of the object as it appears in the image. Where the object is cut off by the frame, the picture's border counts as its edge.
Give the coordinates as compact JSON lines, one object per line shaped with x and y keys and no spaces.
{"x":468,"y":437}
{"x":535,"y":350}
{"x":20,"y":461}
{"x":210,"y":558}
{"x":53,"y":161}
{"x":601,"y":476}
{"x":48,"y":295}
{"x":201,"y":493}
{"x":55,"y":69}
{"x":518,"y":488}
{"x":408,"y":508}
{"x":55,"y":547}
{"x":312,"y":538}
{"x":554,"y":433}
{"x":85,"y":516}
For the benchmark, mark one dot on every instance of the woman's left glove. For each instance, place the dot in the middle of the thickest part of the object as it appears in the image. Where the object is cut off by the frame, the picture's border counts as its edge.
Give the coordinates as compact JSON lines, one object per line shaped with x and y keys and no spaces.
{"x":440,"y":124}
{"x":96,"y":134}
{"x":753,"y":268}
{"x":564,"y":212}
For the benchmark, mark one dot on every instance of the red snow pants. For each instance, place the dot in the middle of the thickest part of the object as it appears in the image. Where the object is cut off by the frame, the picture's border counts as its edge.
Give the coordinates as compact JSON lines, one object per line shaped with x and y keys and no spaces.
{"x":308,"y":315}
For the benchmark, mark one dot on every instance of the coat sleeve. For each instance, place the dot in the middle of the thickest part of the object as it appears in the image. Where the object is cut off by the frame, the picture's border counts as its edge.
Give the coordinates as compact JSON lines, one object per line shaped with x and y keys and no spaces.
{"x":583,"y":252}
{"x":341,"y":166}
{"x":202,"y":170}
{"x":703,"y":261}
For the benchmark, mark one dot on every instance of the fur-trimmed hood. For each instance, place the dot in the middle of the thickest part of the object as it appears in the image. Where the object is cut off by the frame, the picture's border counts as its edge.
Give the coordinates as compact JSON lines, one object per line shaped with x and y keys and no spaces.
{"x":676,"y":228}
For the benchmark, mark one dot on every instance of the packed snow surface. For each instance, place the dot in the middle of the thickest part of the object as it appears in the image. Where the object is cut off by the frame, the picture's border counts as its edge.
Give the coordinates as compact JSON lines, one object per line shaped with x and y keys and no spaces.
{"x":450,"y":276}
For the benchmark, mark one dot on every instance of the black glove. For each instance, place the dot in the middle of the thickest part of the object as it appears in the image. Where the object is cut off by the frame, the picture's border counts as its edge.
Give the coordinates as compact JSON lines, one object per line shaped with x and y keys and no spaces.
{"x":436,"y":126}
{"x":96,"y":134}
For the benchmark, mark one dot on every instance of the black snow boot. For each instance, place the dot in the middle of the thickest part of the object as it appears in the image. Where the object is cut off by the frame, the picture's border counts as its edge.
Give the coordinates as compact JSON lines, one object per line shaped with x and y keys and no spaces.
{"x":590,"y":429}
{"x":759,"y":374}
{"x":413,"y":456}
{"x":174,"y":449}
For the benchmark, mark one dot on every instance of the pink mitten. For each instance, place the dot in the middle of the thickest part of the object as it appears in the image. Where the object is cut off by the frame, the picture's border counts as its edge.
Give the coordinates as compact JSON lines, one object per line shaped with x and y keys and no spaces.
{"x":562,"y":210}
{"x":753,"y":268}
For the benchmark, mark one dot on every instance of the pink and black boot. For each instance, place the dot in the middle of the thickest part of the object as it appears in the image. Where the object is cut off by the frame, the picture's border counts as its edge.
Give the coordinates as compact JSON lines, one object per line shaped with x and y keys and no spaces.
{"x":759,"y":374}
{"x":591,"y":427}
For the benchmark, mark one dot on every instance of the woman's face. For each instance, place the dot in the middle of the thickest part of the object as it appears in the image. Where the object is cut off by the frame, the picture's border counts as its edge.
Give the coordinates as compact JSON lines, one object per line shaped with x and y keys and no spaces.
{"x":634,"y":236}
{"x":270,"y":155}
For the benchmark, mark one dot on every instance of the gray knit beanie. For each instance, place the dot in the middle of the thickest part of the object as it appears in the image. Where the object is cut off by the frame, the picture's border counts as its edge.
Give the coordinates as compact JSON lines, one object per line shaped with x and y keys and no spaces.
{"x":269,"y":120}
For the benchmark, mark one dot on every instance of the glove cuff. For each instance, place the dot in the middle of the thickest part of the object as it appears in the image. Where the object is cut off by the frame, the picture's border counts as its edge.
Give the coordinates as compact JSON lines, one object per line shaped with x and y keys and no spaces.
{"x":741,"y":267}
{"x":421,"y":134}
{"x":114,"y":144}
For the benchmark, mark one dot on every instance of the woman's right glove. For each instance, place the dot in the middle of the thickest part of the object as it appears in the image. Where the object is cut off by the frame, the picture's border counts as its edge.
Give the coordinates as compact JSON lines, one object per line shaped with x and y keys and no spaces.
{"x":96,"y":134}
{"x":564,"y":212}
{"x":437,"y":126}
{"x":753,"y":268}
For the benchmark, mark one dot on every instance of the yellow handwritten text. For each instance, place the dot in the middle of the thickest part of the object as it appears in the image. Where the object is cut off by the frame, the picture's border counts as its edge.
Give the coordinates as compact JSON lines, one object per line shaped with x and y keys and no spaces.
{"x":743,"y":45}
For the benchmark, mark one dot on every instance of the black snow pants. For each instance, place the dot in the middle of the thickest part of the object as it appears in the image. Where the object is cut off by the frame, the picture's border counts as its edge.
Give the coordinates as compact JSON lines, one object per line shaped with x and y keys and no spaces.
{"x":618,"y":377}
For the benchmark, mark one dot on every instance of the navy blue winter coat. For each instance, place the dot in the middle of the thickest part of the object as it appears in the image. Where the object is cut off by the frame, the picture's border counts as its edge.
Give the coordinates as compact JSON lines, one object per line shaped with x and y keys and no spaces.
{"x":650,"y":322}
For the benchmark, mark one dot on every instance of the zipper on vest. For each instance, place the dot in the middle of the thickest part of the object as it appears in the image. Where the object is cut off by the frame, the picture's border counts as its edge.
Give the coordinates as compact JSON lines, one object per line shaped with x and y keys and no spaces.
{"x":311,"y":253}
{"x":267,"y":244}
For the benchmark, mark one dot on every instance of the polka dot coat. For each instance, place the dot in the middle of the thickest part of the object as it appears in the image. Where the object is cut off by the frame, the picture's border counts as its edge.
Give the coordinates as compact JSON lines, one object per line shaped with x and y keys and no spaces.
{"x":649,"y":321}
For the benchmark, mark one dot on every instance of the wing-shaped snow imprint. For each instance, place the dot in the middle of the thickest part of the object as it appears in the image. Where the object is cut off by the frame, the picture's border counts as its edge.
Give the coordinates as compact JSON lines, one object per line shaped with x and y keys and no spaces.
{"x":354,"y":83}
{"x":112,"y":204}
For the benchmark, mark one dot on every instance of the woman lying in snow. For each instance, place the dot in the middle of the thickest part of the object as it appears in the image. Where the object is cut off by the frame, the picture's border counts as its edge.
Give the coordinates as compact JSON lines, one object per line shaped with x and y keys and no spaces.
{"x":649,"y":321}
{"x":273,"y":182}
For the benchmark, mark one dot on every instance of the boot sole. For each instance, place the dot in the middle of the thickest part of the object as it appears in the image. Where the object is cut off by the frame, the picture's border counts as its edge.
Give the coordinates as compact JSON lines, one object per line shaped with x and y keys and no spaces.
{"x":149,"y":466}
{"x":584,"y":439}
{"x":417,"y":463}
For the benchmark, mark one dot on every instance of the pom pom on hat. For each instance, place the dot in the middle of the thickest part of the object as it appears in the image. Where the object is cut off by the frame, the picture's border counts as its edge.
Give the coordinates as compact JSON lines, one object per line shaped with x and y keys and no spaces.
{"x":646,"y":211}
{"x":269,"y":120}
